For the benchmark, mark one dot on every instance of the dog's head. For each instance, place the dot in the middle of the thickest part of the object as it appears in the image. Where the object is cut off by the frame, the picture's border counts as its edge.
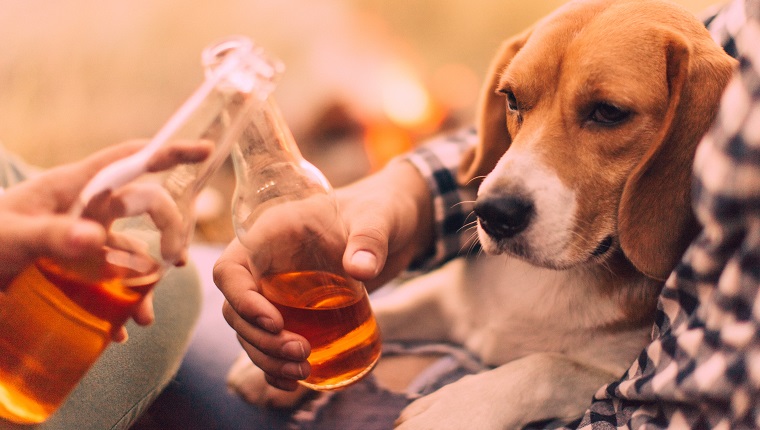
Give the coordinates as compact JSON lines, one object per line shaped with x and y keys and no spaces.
{"x":588,"y":126}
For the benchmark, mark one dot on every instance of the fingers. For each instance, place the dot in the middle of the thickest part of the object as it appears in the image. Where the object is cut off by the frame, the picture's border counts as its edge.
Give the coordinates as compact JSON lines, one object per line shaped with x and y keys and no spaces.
{"x":281,"y":356}
{"x":27,"y":238}
{"x":283,"y":345}
{"x":120,"y":336}
{"x":282,"y":383}
{"x":390,"y":220}
{"x":58,"y":235}
{"x":90,"y":165}
{"x":234,"y":279}
{"x":53,"y":235}
{"x":65,"y":182}
{"x":284,"y":361}
{"x":144,"y":313}
{"x":367,"y":248}
{"x":180,"y":152}
{"x":144,"y":198}
{"x":171,"y":221}
{"x":169,"y":155}
{"x":136,"y":199}
{"x":279,"y":353}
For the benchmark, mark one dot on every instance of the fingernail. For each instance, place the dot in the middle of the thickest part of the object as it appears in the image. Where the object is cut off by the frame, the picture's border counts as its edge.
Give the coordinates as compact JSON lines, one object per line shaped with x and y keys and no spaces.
{"x":365,"y":260}
{"x":267,"y":324}
{"x":294,"y":350}
{"x":293,"y":370}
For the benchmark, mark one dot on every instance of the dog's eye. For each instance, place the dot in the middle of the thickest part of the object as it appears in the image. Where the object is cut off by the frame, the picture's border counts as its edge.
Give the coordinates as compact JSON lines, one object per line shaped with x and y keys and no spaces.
{"x":511,"y":101}
{"x":512,"y":106}
{"x":607,"y":114}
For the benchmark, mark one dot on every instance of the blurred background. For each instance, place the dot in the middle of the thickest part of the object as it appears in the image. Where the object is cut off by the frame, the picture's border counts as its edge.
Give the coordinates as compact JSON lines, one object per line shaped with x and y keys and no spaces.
{"x":365,"y":79}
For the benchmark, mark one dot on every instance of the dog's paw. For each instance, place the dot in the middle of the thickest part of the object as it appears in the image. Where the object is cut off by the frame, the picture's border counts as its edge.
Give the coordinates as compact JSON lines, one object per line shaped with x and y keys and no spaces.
{"x":460,"y":405}
{"x":249,"y":382}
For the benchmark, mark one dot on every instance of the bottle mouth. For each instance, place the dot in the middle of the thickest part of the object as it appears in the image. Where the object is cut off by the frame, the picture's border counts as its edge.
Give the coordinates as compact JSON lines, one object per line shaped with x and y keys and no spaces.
{"x":241,"y":66}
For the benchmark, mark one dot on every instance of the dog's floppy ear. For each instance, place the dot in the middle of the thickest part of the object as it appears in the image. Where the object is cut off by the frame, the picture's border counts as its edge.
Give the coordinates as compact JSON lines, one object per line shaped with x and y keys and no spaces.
{"x":655,"y":217}
{"x":493,"y":137}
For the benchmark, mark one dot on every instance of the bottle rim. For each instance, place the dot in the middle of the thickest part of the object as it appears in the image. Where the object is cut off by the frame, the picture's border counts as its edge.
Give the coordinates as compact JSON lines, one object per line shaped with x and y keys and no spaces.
{"x":244,"y":66}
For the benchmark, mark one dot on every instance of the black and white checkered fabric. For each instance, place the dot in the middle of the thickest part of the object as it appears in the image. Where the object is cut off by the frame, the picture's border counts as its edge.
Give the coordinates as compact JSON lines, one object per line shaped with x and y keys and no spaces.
{"x":438,"y":160}
{"x":702,"y":369}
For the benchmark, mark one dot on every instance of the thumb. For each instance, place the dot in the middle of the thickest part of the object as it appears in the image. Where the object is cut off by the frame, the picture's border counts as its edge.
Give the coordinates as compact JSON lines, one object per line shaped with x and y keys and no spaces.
{"x":57,"y":235}
{"x":366,"y":249}
{"x":27,"y":238}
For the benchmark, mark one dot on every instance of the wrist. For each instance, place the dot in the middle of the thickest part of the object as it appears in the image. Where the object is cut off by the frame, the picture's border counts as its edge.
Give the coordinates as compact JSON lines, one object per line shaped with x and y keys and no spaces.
{"x":413,"y":196}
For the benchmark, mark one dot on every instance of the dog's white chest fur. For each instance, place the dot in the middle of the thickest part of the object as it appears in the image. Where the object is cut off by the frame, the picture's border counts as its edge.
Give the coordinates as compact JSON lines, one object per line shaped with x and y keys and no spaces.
{"x":501,"y":309}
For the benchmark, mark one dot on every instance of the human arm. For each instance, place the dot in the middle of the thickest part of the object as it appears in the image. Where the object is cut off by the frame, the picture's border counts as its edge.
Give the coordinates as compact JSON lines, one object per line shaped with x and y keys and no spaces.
{"x":409,"y":214}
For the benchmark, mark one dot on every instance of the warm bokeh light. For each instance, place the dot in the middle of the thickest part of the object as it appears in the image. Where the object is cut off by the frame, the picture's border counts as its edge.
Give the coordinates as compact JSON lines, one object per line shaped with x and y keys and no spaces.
{"x":383,"y":141}
{"x":408,"y":112}
{"x":404,"y":99}
{"x":81,"y":74}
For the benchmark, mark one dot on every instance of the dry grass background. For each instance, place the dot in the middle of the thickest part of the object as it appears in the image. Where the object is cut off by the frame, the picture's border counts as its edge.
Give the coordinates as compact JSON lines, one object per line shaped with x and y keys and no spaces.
{"x":81,"y":74}
{"x":77,"y":75}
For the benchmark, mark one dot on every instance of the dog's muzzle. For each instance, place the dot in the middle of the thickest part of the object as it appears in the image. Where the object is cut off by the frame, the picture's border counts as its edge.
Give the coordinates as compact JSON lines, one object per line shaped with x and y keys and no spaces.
{"x":504,"y":217}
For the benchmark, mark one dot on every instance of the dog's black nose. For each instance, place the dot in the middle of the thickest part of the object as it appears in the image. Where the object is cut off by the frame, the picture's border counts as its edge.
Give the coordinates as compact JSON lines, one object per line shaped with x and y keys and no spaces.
{"x":504,"y":217}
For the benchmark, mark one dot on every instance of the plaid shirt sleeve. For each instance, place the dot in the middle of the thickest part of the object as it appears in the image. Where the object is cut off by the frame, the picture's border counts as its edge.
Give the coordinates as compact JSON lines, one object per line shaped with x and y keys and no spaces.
{"x":437,"y":161}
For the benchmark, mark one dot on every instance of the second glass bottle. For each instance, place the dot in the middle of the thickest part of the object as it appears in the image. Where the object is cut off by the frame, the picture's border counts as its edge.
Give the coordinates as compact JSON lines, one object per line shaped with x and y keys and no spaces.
{"x":286,"y":215}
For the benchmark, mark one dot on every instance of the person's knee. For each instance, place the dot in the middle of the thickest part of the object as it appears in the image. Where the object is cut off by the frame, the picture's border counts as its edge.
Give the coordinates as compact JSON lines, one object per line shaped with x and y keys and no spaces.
{"x":178,"y":299}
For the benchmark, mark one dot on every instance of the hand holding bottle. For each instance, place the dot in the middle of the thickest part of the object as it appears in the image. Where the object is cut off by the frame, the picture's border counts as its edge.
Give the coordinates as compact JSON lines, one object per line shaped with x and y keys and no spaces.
{"x":33,"y":214}
{"x":388,"y":216}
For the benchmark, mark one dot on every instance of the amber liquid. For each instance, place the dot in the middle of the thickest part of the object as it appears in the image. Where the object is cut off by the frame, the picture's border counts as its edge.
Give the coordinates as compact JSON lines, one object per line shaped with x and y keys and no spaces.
{"x":334,"y":315}
{"x":55,"y":320}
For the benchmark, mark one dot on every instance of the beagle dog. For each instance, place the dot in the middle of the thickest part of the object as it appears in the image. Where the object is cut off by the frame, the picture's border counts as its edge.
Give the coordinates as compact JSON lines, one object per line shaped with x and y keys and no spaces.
{"x":588,"y":127}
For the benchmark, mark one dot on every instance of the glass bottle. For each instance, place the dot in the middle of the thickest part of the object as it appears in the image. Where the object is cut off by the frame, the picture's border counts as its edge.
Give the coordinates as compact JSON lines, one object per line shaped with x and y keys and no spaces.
{"x":57,"y":316}
{"x":286,"y":215}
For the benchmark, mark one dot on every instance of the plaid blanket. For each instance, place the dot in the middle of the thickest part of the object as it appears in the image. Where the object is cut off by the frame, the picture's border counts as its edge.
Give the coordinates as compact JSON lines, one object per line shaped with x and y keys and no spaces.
{"x":367,"y":405}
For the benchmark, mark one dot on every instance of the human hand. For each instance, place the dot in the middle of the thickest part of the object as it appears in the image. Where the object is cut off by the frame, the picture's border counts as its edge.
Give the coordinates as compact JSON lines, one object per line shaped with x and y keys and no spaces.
{"x":34,"y":220}
{"x":389,"y":220}
{"x":389,"y":216}
{"x":280,"y":354}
